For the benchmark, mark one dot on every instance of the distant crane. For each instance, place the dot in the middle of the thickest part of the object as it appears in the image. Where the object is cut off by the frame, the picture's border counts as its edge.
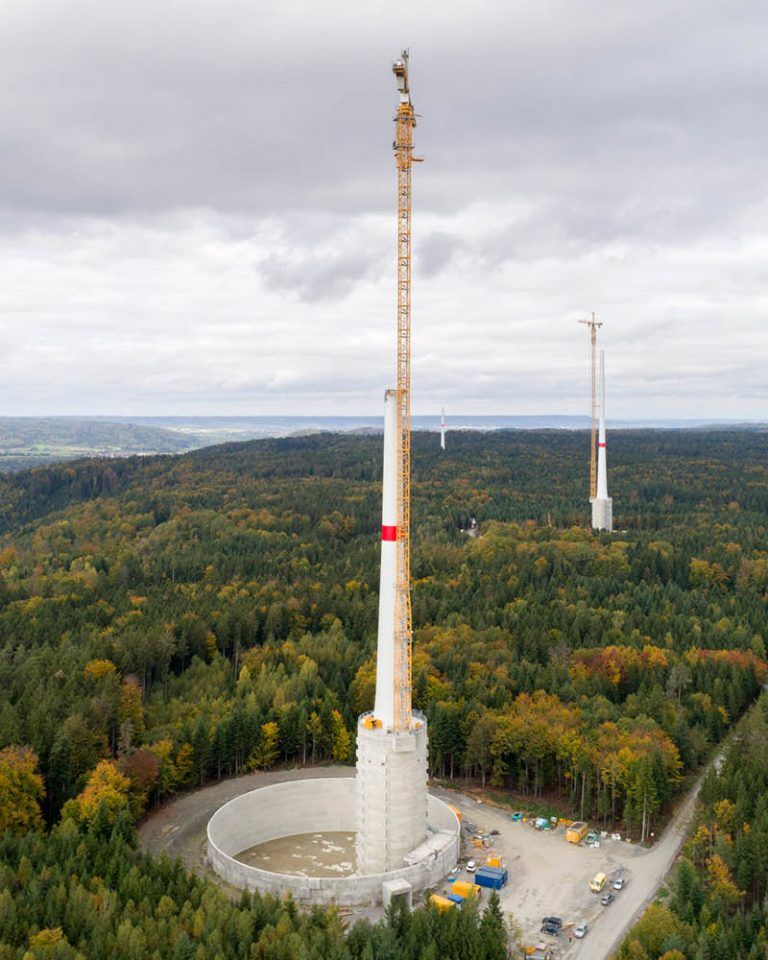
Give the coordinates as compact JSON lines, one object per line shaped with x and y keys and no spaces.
{"x":405,"y":121}
{"x":593,"y":324}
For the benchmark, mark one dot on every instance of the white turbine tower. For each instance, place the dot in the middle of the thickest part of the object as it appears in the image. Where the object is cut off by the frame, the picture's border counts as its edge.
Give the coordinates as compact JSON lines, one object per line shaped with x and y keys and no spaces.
{"x":442,"y":428}
{"x":391,"y":781}
{"x":602,"y":505}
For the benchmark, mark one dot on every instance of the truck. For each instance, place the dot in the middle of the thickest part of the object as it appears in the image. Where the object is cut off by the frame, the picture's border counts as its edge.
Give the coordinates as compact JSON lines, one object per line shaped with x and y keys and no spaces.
{"x":493,"y":877}
{"x":576,"y":832}
{"x":597,"y":882}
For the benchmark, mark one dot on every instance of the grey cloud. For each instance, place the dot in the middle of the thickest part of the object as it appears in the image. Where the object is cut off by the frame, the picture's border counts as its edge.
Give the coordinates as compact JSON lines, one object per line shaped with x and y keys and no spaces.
{"x":254,"y":111}
{"x":314,"y":279}
{"x":597,"y":156}
{"x":434,"y":252}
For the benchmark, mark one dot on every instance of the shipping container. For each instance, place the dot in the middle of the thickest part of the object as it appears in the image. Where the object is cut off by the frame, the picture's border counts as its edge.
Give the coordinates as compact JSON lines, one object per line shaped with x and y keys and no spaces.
{"x":576,"y":832}
{"x":465,"y":889}
{"x":442,"y":903}
{"x":494,"y":861}
{"x":455,"y":898}
{"x":493,"y":877}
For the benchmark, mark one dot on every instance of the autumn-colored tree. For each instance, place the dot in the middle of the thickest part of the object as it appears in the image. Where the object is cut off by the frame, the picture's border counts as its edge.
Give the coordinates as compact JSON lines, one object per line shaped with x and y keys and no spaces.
{"x":142,"y":768}
{"x":21,"y":790}
{"x":98,"y":669}
{"x":315,"y":731}
{"x":167,"y":774}
{"x":185,"y":766}
{"x":131,"y":713}
{"x":341,"y":742}
{"x":363,"y":687}
{"x":107,"y":789}
{"x":267,"y":750}
{"x":656,"y":927}
{"x":723,"y":887}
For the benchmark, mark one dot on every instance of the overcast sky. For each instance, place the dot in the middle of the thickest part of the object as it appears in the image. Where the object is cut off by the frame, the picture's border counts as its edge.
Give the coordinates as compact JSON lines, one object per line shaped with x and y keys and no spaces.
{"x":197,"y":205}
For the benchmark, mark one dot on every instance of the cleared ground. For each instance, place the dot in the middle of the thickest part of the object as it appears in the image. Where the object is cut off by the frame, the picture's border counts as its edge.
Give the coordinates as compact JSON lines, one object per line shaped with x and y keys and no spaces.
{"x":550,"y":877}
{"x":547,"y":875}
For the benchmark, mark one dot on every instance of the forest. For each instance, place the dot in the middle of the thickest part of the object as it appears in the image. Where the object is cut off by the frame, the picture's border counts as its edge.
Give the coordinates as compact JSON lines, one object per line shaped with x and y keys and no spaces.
{"x":168,"y":621}
{"x":714,"y":908}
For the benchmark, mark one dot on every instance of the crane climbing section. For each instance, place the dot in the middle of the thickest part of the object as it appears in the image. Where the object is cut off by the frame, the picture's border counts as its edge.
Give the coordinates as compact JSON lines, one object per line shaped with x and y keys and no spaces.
{"x":405,"y":121}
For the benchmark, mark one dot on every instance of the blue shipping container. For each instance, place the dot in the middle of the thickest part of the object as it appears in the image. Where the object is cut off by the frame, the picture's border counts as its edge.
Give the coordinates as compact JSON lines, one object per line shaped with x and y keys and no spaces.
{"x":454,"y":898}
{"x":493,"y":877}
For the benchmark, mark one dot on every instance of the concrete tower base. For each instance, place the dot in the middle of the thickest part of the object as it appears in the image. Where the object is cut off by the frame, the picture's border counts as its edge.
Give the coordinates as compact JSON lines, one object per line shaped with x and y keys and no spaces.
{"x":391,"y":790}
{"x":602,"y":514}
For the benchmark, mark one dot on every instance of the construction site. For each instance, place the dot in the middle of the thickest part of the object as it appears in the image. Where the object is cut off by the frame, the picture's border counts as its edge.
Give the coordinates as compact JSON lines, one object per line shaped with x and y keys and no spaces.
{"x":404,"y":840}
{"x":361,"y":840}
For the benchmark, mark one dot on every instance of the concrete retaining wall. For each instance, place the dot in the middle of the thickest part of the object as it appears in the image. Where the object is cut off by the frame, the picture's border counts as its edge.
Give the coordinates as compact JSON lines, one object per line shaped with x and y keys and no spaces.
{"x":309,"y":806}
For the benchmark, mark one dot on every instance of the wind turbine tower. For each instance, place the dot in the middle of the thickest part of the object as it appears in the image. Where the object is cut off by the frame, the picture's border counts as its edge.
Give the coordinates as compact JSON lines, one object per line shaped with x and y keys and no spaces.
{"x":442,"y":428}
{"x":602,"y":504}
{"x":593,"y":325}
{"x":391,"y":782}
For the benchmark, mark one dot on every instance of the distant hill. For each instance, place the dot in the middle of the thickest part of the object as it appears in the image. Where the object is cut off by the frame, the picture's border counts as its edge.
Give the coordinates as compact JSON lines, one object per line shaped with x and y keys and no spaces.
{"x":34,"y":441}
{"x":31,"y":441}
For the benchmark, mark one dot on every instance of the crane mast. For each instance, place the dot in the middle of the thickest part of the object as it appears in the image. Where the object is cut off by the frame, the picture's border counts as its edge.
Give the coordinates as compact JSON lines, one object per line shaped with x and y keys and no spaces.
{"x":405,"y":121}
{"x":593,"y":325}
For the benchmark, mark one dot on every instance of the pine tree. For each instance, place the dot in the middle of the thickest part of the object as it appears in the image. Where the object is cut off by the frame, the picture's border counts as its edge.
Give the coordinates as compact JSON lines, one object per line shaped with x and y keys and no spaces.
{"x":493,"y":931}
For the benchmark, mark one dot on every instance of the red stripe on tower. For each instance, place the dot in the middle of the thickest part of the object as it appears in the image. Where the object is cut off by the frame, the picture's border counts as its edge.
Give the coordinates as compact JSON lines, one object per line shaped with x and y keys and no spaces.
{"x":388,"y":533}
{"x":601,"y":444}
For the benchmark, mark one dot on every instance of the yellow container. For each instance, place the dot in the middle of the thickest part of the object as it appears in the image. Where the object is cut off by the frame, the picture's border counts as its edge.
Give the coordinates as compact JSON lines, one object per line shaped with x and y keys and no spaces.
{"x":576,"y":832}
{"x":442,"y":903}
{"x":494,"y":862}
{"x":463,"y":889}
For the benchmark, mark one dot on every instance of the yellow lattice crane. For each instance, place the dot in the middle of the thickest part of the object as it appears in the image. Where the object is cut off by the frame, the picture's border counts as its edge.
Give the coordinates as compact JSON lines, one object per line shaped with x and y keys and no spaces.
{"x":593,"y":325}
{"x":405,"y":121}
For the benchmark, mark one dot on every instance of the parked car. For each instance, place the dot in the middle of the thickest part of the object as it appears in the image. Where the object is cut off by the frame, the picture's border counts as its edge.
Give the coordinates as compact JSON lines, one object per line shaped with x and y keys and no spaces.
{"x":619,"y":883}
{"x":494,"y":833}
{"x":516,"y":817}
{"x":606,"y":899}
{"x":471,"y":866}
{"x":555,"y":921}
{"x":551,"y":929}
{"x":580,"y":930}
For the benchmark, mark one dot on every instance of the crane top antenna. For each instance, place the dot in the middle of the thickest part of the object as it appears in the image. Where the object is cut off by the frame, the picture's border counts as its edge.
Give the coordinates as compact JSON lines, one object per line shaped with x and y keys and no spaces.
{"x":592,"y":323}
{"x":400,"y":70}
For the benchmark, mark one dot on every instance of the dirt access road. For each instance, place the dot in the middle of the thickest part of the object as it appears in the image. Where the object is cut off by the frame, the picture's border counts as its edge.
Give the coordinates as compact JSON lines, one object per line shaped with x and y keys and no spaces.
{"x":547,"y":875}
